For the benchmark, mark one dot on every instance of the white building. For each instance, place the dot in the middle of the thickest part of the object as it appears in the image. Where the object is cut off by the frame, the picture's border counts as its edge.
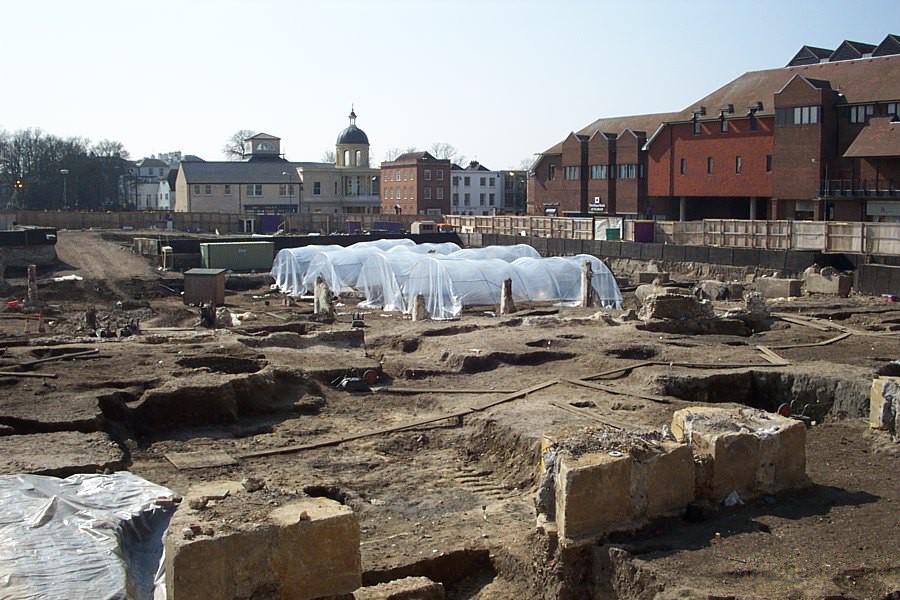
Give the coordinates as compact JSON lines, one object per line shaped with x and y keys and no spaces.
{"x":475,"y":190}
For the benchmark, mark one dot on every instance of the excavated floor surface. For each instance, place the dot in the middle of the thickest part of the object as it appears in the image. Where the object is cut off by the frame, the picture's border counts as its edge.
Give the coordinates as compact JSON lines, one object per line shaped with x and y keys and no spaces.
{"x":453,"y":498}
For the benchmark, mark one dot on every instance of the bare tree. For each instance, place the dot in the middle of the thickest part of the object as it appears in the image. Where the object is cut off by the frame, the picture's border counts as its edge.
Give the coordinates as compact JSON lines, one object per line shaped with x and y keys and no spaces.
{"x":526,"y":163}
{"x":328,"y":156}
{"x":392,"y":153}
{"x":234,"y":147}
{"x":110,"y":149}
{"x":448,"y":151}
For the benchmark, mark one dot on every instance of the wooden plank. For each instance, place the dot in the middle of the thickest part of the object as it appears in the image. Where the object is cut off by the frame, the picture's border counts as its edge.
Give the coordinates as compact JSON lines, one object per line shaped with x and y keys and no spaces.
{"x":838,"y":338}
{"x":200,"y":459}
{"x":772,"y":356}
{"x":415,"y":423}
{"x":618,"y":392}
{"x":30,"y":363}
{"x":396,"y":390}
{"x":801,"y":321}
{"x":20,"y":374}
{"x":587,"y":415}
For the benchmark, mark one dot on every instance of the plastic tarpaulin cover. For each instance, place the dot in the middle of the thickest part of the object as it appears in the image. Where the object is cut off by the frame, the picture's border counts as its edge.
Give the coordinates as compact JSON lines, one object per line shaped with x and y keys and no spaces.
{"x":428,"y":248}
{"x":86,"y":536}
{"x":340,"y":268}
{"x":290,"y":266}
{"x":507,"y":253}
{"x":559,"y":279}
{"x":448,"y":284}
{"x":383,"y":277}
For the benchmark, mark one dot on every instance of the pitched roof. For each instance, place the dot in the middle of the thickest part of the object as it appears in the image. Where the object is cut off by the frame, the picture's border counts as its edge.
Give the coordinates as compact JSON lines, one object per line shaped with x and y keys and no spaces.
{"x":890,"y":45}
{"x":238,"y":172}
{"x":262,"y":136}
{"x":880,"y":138}
{"x":851,"y":50}
{"x":151,"y":162}
{"x":810,"y":55}
{"x":861,"y":81}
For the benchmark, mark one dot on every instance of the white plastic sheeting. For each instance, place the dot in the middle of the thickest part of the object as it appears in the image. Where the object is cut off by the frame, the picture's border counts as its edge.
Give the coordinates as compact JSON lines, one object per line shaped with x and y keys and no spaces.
{"x":507,"y":253}
{"x":383,"y":277}
{"x":290,"y":266}
{"x":559,"y":279}
{"x":448,"y":284}
{"x":86,"y":536}
{"x":428,"y":248}
{"x":339,"y":268}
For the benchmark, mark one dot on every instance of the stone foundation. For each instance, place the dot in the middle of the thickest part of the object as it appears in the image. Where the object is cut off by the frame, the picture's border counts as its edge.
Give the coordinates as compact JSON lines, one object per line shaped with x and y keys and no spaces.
{"x":772,"y":287}
{"x":308,"y":549}
{"x":742,"y":450}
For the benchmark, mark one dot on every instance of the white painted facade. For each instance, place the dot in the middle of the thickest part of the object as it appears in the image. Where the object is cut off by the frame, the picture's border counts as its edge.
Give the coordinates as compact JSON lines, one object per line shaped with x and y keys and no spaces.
{"x":474,"y":191}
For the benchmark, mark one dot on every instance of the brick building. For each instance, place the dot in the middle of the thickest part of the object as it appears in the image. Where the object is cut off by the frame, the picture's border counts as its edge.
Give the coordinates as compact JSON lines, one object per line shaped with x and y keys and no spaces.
{"x":817,"y":139}
{"x":416,"y":183}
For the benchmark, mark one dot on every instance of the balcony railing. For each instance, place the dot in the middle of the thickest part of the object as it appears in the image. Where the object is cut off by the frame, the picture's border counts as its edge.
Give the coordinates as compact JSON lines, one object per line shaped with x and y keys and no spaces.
{"x":846,"y":188}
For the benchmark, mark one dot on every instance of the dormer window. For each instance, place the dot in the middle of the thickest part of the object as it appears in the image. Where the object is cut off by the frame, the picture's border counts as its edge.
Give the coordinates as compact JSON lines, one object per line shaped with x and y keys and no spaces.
{"x":266,"y":147}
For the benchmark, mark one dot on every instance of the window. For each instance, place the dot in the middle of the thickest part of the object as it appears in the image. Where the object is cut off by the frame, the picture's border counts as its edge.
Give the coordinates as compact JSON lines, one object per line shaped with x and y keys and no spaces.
{"x":467,"y":180}
{"x":768,"y":163}
{"x":683,"y":168}
{"x":491,"y":199}
{"x":397,"y":175}
{"x":492,"y":181}
{"x":467,"y":199}
{"x":738,"y":164}
{"x":599,"y":171}
{"x":440,"y":193}
{"x":428,"y":193}
{"x":858,"y":114}
{"x":439,"y":175}
{"x":456,"y":180}
{"x":892,"y":108}
{"x":207,"y":189}
{"x":254,"y":189}
{"x":481,"y":199}
{"x":427,"y":174}
{"x":335,"y":188}
{"x":753,"y":124}
{"x":570,"y":173}
{"x":483,"y":181}
{"x":412,"y":175}
{"x":455,"y":199}
{"x":405,"y":175}
{"x":196,"y":190}
{"x":696,"y":127}
{"x":709,"y":166}
{"x":628,"y":171}
{"x":799,"y":115}
{"x":724,"y":125}
{"x":551,"y":172}
{"x":317,"y":188}
{"x":227,"y":189}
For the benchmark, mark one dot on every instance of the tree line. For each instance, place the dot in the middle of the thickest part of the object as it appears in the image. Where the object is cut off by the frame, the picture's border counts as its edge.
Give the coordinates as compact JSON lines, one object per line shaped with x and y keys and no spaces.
{"x":40,"y":171}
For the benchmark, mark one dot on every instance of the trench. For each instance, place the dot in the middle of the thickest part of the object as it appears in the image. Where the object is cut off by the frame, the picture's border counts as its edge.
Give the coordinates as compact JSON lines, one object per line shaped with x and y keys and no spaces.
{"x":819,"y":395}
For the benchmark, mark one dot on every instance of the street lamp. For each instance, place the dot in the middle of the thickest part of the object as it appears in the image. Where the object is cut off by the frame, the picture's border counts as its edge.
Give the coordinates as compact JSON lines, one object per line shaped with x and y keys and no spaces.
{"x":65,"y":173}
{"x":290,"y":189}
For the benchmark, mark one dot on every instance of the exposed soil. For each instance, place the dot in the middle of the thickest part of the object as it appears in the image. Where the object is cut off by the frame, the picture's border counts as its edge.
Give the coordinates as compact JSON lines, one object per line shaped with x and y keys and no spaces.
{"x":453,"y":499}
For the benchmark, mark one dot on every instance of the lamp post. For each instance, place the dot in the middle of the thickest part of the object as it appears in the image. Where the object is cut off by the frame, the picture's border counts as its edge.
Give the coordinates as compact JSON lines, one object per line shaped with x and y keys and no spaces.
{"x":65,"y":173}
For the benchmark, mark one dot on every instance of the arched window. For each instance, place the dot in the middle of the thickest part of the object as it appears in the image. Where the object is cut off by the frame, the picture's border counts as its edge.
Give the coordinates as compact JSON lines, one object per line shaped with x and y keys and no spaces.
{"x":358,"y":158}
{"x":346,"y":158}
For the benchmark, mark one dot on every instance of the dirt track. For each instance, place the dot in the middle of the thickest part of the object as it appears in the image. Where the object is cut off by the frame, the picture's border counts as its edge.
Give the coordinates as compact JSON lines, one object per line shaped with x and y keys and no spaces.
{"x":453,"y":499}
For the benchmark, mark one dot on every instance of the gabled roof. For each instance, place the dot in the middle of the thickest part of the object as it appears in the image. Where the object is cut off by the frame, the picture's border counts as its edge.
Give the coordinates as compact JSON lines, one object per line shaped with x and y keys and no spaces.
{"x":851,"y":50}
{"x":611,"y":127}
{"x":262,"y":136}
{"x":890,"y":45}
{"x":238,"y":172}
{"x":880,"y":138}
{"x":810,"y":55}
{"x":472,"y":166}
{"x":151,"y":162}
{"x":413,"y":157}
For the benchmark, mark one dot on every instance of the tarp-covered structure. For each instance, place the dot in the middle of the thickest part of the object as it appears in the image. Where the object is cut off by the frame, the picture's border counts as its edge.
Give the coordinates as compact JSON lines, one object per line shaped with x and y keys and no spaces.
{"x":507,"y":253}
{"x":291,"y":265}
{"x":558,"y":279}
{"x":448,"y":284}
{"x":429,"y":248}
{"x":383,"y":278}
{"x":86,"y":536}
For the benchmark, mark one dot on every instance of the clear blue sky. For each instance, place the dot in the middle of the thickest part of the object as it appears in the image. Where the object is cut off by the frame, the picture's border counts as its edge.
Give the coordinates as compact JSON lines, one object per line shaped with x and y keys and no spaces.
{"x":498,"y":79}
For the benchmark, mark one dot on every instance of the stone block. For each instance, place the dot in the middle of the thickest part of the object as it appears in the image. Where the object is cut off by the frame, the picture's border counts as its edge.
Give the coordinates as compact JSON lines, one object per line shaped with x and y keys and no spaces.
{"x":745,"y":450}
{"x":884,"y":404}
{"x":408,"y":588}
{"x":773,"y":287}
{"x":307,"y":549}
{"x":663,"y":483}
{"x":651,"y":276}
{"x":675,"y":306}
{"x":833,"y":285}
{"x":593,"y":494}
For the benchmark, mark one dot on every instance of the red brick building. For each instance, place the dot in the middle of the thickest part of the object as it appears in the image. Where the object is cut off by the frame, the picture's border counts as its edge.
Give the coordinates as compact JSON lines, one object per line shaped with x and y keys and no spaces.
{"x":415,"y":183}
{"x":817,"y":139}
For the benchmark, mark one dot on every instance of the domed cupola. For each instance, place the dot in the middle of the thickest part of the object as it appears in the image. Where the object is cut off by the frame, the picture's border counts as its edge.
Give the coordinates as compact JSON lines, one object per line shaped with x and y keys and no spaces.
{"x":352,"y":148}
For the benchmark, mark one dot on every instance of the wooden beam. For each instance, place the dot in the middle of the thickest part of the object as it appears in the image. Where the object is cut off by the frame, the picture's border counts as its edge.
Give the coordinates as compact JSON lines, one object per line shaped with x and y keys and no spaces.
{"x":586,"y":415}
{"x":611,"y":390}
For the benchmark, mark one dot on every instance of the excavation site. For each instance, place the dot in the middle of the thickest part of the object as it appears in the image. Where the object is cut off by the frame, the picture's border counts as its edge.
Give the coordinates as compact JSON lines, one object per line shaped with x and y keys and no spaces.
{"x":648,"y":430}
